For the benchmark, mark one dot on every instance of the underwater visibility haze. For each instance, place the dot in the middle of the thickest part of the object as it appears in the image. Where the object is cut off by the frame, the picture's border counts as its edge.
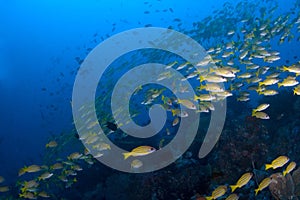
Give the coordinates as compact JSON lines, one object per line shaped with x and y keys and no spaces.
{"x":152,"y":99}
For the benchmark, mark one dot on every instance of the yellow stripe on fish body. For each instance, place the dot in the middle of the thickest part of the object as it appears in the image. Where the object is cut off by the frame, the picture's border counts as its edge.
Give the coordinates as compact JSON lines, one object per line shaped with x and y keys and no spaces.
{"x":232,"y":197}
{"x":245,"y":178}
{"x":289,"y":168}
{"x":297,"y":90}
{"x":218,"y":192}
{"x":187,"y":103}
{"x":294,"y":69}
{"x":260,"y":115}
{"x":269,"y":81}
{"x":278,"y":162}
{"x":265,"y":183}
{"x":139,"y":151}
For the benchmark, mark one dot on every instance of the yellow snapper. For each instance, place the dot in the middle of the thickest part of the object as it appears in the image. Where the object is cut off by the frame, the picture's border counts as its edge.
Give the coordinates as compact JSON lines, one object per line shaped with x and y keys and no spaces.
{"x":269,"y":81}
{"x":45,"y":176}
{"x":245,"y":178}
{"x":29,"y":169}
{"x":213,"y":79}
{"x":187,"y":103}
{"x":222,"y":72}
{"x":204,"y":97}
{"x":289,"y":168}
{"x":289,"y":81}
{"x":260,"y":115}
{"x":74,"y":156}
{"x":212,"y":87}
{"x":218,"y":192}
{"x":56,"y":166}
{"x":265,"y":183}
{"x":268,"y":92}
{"x":28,"y":195}
{"x":261,"y":107}
{"x":278,"y":162}
{"x":43,"y":194}
{"x":139,"y":151}
{"x":232,"y":197}
{"x":51,"y":144}
{"x":293,"y":68}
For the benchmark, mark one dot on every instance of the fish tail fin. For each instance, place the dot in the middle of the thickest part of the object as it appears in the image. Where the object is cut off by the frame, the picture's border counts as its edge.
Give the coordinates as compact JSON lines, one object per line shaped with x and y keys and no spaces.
{"x":201,"y":78}
{"x":253,"y":112}
{"x":233,"y":187}
{"x":196,"y":98}
{"x":23,"y":189}
{"x":279,"y":85}
{"x":126,"y":155}
{"x":173,"y":112}
{"x":268,"y":166}
{"x":284,"y":173}
{"x":256,"y":191}
{"x":285,"y":68}
{"x":208,"y":198}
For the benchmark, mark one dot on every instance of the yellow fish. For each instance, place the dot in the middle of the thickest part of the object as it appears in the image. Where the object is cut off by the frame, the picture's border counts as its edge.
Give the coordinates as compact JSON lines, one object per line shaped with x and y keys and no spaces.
{"x":242,"y":181}
{"x":51,"y":144}
{"x":29,"y":169}
{"x":265,"y":183}
{"x":213,"y":79}
{"x":278,"y":162}
{"x":43,"y":194}
{"x":260,"y":115}
{"x":45,"y":176}
{"x":232,"y":197}
{"x":204,"y":97}
{"x":211,"y":87}
{"x":261,"y":107}
{"x":268,"y":92}
{"x":289,"y":81}
{"x":187,"y":103}
{"x":222,"y":72}
{"x":74,"y":156}
{"x":269,"y":81}
{"x":4,"y":189}
{"x":294,"y":69}
{"x":289,"y":168}
{"x":218,"y":192}
{"x":28,"y":195}
{"x":139,"y":151}
{"x":56,"y":166}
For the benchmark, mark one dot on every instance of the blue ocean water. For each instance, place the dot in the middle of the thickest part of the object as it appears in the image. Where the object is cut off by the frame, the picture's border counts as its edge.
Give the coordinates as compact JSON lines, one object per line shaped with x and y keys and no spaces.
{"x":43,"y":43}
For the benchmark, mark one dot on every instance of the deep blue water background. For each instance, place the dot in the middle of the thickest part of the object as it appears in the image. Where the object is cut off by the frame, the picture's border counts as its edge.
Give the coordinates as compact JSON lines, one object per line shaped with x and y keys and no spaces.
{"x":39,"y":41}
